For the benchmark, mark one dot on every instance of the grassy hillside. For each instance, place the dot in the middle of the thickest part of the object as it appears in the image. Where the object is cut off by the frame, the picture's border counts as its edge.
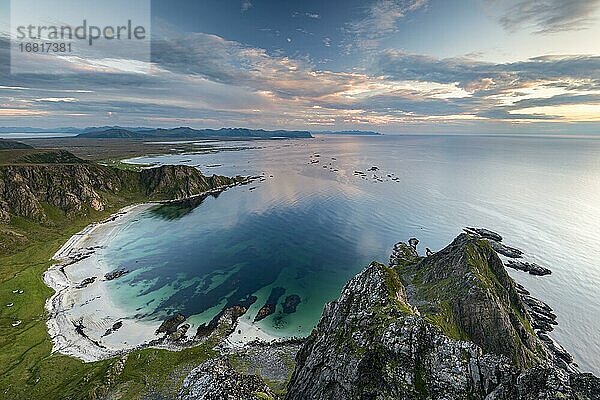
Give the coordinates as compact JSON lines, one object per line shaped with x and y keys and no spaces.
{"x":28,"y":370}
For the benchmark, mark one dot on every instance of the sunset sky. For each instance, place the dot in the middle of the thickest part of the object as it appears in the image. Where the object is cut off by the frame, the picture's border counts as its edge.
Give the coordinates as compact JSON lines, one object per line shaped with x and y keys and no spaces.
{"x":415,"y":66}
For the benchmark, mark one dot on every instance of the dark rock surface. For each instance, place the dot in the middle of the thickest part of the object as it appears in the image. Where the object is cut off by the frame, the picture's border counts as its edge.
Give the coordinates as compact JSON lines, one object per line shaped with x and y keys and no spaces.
{"x":448,"y":326}
{"x":218,"y":380}
{"x":505,"y":250}
{"x":170,"y":325}
{"x":484,"y":233}
{"x":413,"y":242}
{"x":227,"y":319}
{"x":532,"y":268}
{"x":290,"y":303}
{"x":116,"y":326}
{"x":86,"y":282}
{"x":270,"y":305}
{"x":115,"y":274}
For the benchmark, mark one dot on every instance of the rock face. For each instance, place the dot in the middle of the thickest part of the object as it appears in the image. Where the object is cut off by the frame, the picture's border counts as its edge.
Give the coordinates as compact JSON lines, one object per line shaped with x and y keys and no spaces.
{"x":218,"y":380}
{"x":170,"y":325}
{"x":28,"y":189}
{"x":175,"y":182}
{"x":448,"y":326}
{"x":532,"y":268}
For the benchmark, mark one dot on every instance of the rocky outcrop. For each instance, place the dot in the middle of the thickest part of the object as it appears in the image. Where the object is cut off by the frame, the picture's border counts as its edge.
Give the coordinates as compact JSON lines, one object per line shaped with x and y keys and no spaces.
{"x":448,"y":326}
{"x":465,"y":290}
{"x":270,"y":304}
{"x":218,"y":380}
{"x":176,"y":182}
{"x":532,"y":268}
{"x":170,"y":325}
{"x":290,"y":303}
{"x":115,"y":274}
{"x":35,"y":190}
{"x":25,"y":190}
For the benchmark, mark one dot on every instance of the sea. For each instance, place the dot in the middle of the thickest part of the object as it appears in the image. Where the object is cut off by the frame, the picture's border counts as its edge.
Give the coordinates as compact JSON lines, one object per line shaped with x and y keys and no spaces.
{"x":322,"y":209}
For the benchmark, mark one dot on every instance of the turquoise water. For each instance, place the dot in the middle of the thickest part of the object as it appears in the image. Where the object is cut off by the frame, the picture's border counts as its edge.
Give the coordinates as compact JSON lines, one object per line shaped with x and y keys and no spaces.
{"x":308,"y":228}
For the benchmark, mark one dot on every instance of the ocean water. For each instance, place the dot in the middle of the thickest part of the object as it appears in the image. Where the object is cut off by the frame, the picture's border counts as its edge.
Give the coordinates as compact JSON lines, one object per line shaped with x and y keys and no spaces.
{"x":309,"y":226}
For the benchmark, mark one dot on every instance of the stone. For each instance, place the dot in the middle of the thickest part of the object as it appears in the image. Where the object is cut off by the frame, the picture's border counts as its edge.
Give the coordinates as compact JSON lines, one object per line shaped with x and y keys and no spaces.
{"x":170,"y":325}
{"x":218,"y":380}
{"x":290,"y":304}
{"x":115,"y":274}
{"x":531,"y":268}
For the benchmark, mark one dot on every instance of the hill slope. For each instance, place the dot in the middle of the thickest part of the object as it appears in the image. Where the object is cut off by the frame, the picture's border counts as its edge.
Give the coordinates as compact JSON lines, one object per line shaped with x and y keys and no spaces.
{"x":11,"y":144}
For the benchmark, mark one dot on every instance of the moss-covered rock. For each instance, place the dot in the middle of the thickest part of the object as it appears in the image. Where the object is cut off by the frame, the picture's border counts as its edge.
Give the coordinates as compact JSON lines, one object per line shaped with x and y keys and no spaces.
{"x":448,"y":326}
{"x":465,"y":290}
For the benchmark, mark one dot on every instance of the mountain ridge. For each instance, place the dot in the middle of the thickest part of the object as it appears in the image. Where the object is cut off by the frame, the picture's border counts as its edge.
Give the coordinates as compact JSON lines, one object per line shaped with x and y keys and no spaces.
{"x":187,"y":132}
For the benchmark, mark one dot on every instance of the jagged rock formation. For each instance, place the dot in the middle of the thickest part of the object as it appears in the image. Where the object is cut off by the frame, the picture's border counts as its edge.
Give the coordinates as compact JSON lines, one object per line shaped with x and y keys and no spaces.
{"x":218,"y":380}
{"x":447,"y":326}
{"x":465,"y":290}
{"x":28,"y":189}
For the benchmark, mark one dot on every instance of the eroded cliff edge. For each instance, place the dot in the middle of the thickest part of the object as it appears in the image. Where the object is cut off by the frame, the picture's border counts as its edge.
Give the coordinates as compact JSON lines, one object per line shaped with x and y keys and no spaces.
{"x":448,"y":326}
{"x":36,"y":190}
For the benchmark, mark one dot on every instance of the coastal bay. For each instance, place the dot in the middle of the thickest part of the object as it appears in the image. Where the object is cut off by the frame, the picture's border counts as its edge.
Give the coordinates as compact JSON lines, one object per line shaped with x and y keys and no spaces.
{"x":429,"y":187}
{"x":184,"y":257}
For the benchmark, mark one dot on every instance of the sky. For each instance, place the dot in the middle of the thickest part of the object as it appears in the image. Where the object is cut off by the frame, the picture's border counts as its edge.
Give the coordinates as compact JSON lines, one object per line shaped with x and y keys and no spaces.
{"x":393,"y":66}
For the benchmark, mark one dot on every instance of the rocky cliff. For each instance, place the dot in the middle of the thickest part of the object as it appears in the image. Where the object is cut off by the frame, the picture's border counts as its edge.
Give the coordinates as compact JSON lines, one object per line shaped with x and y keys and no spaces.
{"x":175,"y":182}
{"x":447,"y":326}
{"x":34,"y":190}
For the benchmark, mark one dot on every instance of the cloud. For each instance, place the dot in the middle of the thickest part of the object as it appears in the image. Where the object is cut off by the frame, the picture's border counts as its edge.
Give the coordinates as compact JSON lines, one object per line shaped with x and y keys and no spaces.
{"x":499,"y":91}
{"x":313,"y":15}
{"x":246,"y":5}
{"x":380,"y":19}
{"x":205,"y":80}
{"x":549,"y":16}
{"x":478,"y":75}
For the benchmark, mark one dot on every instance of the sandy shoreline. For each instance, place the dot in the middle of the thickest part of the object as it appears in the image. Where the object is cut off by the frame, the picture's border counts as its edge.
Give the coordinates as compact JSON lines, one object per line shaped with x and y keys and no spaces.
{"x":80,"y":315}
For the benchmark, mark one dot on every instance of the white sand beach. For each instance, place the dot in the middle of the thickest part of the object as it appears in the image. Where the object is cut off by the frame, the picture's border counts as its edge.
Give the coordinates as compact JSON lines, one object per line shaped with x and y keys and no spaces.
{"x":80,"y":314}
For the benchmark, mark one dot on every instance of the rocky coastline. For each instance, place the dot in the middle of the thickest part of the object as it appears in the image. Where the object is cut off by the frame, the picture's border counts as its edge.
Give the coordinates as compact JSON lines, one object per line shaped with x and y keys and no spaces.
{"x":450,"y":325}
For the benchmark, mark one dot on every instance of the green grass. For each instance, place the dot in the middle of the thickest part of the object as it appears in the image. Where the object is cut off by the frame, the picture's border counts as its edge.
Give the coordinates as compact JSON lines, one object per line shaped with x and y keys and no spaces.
{"x":38,"y":156}
{"x":28,"y":370}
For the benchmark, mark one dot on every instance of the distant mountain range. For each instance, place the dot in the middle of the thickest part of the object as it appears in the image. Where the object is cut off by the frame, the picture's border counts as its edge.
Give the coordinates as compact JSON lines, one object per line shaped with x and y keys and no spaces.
{"x":181,"y":132}
{"x":115,"y":132}
{"x":190,"y":133}
{"x":356,"y":133}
